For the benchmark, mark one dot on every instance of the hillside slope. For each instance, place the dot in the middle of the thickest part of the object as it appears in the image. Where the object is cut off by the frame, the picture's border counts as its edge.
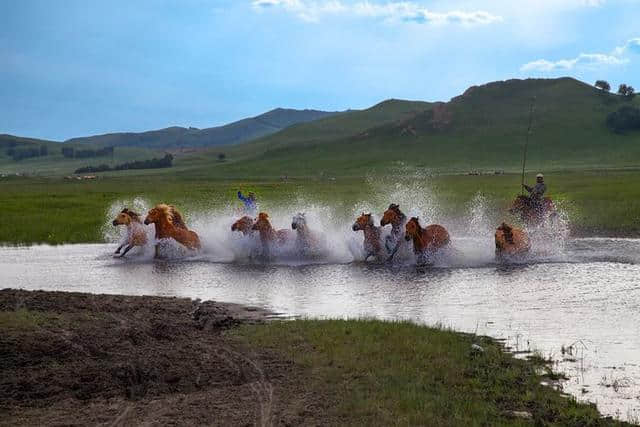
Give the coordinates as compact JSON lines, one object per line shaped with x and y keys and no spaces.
{"x":482,"y":129}
{"x":232,"y":133}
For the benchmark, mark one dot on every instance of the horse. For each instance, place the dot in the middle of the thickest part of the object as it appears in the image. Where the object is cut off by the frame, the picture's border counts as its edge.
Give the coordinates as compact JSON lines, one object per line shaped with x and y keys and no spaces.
{"x":372,"y":236}
{"x":394,"y":216}
{"x":136,"y":235}
{"x":427,"y":241}
{"x":270,"y":236}
{"x":530,"y":213}
{"x":169,"y":223}
{"x":306,"y":240}
{"x":511,"y":241}
{"x":243,"y":225}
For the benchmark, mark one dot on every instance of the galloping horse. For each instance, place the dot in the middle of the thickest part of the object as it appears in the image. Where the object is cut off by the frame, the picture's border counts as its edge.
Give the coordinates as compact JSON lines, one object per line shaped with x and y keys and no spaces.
{"x":394,"y":216}
{"x":243,"y":225}
{"x":511,"y":241}
{"x":169,"y":223}
{"x":531,"y":214}
{"x":426,"y":241}
{"x":270,"y":236}
{"x":306,"y":240}
{"x":372,"y":241}
{"x":136,"y":235}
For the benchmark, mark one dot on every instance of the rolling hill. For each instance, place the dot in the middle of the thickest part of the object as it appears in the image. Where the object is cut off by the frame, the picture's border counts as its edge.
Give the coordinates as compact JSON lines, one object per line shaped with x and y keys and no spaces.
{"x":482,"y":129}
{"x":232,"y":133}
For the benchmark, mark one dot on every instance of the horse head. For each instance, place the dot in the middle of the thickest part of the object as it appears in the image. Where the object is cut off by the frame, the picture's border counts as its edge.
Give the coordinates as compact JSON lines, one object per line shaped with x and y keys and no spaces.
{"x":243,"y":225}
{"x":507,"y":231}
{"x":125,"y":217}
{"x":362,"y":222}
{"x":262,"y":223}
{"x":299,"y":222}
{"x":393,"y":215}
{"x":412,"y":228}
{"x":159,"y":213}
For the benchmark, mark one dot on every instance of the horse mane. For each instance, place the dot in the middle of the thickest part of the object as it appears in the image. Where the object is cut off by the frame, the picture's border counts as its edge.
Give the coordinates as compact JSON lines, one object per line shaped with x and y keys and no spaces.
{"x":396,"y":208}
{"x":172,"y":215}
{"x":134,"y":216}
{"x":508,"y":232}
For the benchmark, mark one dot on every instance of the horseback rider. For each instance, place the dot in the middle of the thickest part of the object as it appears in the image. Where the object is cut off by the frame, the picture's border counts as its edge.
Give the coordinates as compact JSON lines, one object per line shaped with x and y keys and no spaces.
{"x":250,"y":203}
{"x":536,"y":192}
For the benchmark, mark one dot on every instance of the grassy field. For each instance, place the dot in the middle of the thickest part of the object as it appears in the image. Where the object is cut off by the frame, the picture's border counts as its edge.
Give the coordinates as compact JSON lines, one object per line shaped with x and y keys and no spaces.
{"x":384,"y":373}
{"x":54,"y":210}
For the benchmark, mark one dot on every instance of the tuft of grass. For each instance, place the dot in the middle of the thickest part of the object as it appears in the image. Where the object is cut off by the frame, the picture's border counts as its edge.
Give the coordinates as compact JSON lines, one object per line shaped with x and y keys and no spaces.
{"x":22,"y":319}
{"x":400,"y":373}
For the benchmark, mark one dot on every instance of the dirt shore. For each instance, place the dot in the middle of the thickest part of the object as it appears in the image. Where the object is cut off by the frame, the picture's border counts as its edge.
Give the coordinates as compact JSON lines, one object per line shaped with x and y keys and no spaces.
{"x":83,"y":359}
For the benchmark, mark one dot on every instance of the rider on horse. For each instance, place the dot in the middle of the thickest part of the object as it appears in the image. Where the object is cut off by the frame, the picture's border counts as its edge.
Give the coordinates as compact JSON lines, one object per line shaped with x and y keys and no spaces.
{"x":536,"y":192}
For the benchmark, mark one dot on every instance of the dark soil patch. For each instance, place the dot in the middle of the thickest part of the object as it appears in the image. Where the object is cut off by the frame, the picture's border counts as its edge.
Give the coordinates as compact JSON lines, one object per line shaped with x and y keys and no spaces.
{"x":82,"y":359}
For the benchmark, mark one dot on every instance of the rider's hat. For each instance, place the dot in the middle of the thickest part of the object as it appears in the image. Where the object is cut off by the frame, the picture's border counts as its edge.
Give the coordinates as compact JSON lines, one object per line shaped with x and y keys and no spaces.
{"x":539,"y":176}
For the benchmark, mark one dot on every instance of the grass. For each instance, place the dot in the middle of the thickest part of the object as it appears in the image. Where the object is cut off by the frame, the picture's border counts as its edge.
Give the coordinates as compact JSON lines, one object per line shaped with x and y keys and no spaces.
{"x":54,"y":210}
{"x":398,"y":373}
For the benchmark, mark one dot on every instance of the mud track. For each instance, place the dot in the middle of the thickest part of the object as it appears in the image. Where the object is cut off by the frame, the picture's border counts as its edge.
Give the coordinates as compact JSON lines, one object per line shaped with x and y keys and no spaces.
{"x":82,"y":359}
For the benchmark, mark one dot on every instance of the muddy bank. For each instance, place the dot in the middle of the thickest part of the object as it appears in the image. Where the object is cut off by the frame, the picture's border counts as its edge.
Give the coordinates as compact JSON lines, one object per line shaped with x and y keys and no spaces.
{"x":83,"y":359}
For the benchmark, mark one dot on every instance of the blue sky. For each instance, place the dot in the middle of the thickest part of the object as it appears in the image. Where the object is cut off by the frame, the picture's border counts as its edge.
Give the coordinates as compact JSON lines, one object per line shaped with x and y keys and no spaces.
{"x":75,"y":68}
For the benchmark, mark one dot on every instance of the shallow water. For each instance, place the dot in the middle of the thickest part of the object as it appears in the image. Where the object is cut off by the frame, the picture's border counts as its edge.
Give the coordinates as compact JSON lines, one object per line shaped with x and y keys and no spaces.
{"x":585,"y":297}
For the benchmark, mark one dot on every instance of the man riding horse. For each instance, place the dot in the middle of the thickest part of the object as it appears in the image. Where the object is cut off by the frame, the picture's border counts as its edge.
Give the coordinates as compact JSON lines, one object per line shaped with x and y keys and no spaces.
{"x":534,"y":209}
{"x":536,"y":192}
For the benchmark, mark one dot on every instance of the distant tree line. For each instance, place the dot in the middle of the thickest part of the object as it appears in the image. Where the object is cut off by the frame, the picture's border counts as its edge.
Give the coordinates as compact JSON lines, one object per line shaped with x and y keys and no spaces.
{"x":25,"y":153}
{"x":72,"y":153}
{"x":164,"y":162}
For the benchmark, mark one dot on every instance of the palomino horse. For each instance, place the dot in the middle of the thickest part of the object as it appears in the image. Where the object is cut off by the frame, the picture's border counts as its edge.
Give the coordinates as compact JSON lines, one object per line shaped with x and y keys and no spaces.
{"x":426,"y":241}
{"x":306,"y":240}
{"x":511,"y":241}
{"x":136,"y":236}
{"x":530,"y":213}
{"x":397,"y":219}
{"x":268,"y":235}
{"x":243,"y":225}
{"x":169,"y":223}
{"x":372,"y":240}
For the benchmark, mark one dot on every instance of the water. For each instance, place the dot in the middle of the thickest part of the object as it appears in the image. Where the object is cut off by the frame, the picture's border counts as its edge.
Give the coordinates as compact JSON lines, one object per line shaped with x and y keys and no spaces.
{"x":583,"y":297}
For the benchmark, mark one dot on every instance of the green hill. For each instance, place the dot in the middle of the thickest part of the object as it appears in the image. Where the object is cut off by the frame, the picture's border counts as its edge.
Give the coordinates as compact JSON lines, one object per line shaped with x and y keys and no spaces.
{"x":232,"y":133}
{"x":482,"y":129}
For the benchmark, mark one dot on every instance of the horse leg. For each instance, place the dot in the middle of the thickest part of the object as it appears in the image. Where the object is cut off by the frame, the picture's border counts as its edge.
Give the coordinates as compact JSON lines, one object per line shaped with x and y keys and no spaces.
{"x":393,"y":252}
{"x":118,"y":250}
{"x":128,"y":248}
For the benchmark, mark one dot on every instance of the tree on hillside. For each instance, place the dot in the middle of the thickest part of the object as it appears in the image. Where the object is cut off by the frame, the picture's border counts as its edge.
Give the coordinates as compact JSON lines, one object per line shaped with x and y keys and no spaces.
{"x":222,"y":157}
{"x":626,"y":91}
{"x":603,"y":85}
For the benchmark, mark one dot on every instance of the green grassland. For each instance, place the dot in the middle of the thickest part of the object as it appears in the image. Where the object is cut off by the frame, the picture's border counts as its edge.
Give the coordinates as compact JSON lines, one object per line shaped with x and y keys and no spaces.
{"x":396,"y":373}
{"x":591,"y":171}
{"x":54,"y":210}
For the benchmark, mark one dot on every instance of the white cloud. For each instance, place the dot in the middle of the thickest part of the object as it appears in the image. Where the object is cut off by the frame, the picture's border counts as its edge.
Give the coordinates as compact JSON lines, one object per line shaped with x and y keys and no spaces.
{"x":405,"y":11}
{"x":586,"y":60}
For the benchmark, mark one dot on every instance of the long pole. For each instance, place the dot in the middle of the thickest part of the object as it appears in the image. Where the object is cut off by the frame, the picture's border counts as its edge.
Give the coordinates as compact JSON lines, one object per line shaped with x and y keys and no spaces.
{"x":526,"y":142}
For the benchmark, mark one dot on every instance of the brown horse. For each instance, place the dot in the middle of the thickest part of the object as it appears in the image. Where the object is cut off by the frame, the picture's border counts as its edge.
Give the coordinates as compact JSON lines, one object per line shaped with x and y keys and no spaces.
{"x":169,"y":223}
{"x":372,"y":234}
{"x":428,"y":240}
{"x":270,"y":236}
{"x":511,"y":241}
{"x":243,"y":225}
{"x":394,"y":216}
{"x":531,"y":213}
{"x":136,"y":235}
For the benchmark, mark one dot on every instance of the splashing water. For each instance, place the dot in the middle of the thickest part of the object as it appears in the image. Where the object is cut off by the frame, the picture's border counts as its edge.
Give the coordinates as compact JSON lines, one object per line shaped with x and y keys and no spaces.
{"x":334,"y":239}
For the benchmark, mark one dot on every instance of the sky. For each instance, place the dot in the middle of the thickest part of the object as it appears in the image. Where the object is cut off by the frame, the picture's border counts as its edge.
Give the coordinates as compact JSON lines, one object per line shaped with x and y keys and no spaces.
{"x":82,"y":67}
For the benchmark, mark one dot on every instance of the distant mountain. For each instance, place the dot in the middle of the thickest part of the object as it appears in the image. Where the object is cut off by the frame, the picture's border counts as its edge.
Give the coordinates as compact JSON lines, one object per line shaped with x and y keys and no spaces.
{"x":232,"y":133}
